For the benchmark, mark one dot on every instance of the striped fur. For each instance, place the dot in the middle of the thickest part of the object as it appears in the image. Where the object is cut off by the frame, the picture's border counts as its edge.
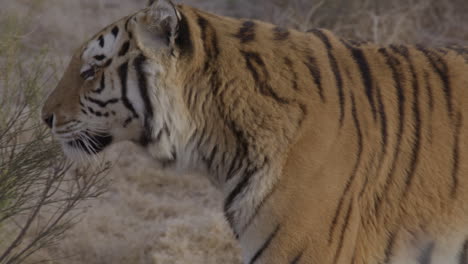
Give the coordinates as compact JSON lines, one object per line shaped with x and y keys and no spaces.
{"x":326,"y":150}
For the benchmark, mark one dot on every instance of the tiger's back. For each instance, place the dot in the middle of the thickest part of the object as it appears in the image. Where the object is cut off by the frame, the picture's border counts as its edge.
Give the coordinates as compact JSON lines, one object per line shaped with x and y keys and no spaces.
{"x":387,"y":184}
{"x":326,"y":151}
{"x":376,"y":167}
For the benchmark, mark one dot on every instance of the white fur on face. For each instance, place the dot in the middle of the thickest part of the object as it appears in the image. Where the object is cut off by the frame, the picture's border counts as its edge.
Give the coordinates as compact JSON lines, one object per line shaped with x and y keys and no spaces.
{"x":110,"y":104}
{"x":101,"y":49}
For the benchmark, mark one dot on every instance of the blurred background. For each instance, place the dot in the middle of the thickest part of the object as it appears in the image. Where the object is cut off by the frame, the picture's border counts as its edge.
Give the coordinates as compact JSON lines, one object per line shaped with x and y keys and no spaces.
{"x":150,"y":217}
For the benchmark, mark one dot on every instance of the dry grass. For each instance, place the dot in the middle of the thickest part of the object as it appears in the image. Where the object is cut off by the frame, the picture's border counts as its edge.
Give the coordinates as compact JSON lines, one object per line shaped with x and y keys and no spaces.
{"x":150,"y":217}
{"x":38,"y":198}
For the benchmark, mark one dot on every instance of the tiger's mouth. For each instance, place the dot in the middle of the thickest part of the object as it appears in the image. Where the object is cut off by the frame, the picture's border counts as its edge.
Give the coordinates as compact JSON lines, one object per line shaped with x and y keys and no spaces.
{"x":91,"y":143}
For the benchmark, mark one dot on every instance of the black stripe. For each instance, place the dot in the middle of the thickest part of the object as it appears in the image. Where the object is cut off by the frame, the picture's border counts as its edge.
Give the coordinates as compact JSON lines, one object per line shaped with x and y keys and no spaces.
{"x":100,"y":57}
{"x":430,"y":100}
{"x":167,"y":161}
{"x":384,"y":133}
{"x":265,"y":245}
{"x":236,"y":164}
{"x":158,"y":136}
{"x":184,"y":39}
{"x":203,"y":23}
{"x":216,"y":84}
{"x":415,"y":148}
{"x":304,"y":112}
{"x":456,"y":154}
{"x":127,"y":121}
{"x":246,"y":32}
{"x":336,"y":71}
{"x":107,"y":64}
{"x":258,"y":208}
{"x":91,"y":110}
{"x":426,"y":254}
{"x":365,"y":71}
{"x":211,"y":156}
{"x":400,"y":49}
{"x":350,"y":181}
{"x":311,"y":64}
{"x":261,"y":80}
{"x":101,"y":41}
{"x":190,"y":93}
{"x":339,"y":83}
{"x":123,"y":74}
{"x":241,"y":157}
{"x":463,"y":256}
{"x":343,"y":230}
{"x":430,"y":103}
{"x":280,"y":33}
{"x":240,"y":187}
{"x":115,"y":31}
{"x":429,"y":93}
{"x":166,"y":130}
{"x":196,"y":97}
{"x":102,"y":103}
{"x":124,"y":49}
{"x":126,"y":23}
{"x":294,"y":78}
{"x":210,"y":42}
{"x":397,"y":78}
{"x":440,"y":67}
{"x":388,"y":254}
{"x":139,"y":63}
{"x":102,"y":84}
{"x":319,"y":33}
{"x":297,"y":258}
{"x":88,"y":73}
{"x":204,"y":136}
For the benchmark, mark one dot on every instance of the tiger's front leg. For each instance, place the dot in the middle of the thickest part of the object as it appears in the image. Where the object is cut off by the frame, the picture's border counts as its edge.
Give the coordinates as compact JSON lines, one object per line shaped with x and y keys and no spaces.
{"x":300,"y":228}
{"x":313,"y":216}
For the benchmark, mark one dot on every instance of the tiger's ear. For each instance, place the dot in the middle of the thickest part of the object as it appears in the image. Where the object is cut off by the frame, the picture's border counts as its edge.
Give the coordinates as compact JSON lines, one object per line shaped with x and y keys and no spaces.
{"x":157,"y":27}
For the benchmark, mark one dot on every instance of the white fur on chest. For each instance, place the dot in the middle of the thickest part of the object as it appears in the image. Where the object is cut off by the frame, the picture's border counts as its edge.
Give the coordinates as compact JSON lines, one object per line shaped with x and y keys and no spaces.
{"x":442,"y":250}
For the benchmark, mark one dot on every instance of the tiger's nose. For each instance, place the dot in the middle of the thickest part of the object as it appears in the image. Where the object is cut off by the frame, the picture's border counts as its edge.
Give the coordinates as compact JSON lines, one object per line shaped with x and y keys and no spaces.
{"x":49,"y":120}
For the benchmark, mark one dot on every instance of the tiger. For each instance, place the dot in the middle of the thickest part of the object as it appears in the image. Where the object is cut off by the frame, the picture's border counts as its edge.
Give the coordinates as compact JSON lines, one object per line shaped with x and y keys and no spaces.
{"x":326,"y":150}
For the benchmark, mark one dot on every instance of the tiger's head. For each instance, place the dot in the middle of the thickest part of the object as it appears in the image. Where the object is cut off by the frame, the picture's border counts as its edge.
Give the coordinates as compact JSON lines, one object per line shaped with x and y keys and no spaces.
{"x":117,"y":85}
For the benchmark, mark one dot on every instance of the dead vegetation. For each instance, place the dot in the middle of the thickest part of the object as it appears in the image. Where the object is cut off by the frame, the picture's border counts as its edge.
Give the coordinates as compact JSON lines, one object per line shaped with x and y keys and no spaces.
{"x":39,"y":198}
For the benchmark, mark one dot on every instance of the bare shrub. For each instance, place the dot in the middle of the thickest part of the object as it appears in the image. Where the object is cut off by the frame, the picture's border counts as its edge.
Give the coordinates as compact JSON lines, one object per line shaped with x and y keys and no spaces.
{"x":409,"y":21}
{"x":39,"y":196}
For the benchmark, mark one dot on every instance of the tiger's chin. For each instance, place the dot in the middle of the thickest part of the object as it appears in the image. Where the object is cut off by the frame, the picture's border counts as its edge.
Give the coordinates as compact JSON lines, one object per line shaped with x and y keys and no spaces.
{"x":89,"y":144}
